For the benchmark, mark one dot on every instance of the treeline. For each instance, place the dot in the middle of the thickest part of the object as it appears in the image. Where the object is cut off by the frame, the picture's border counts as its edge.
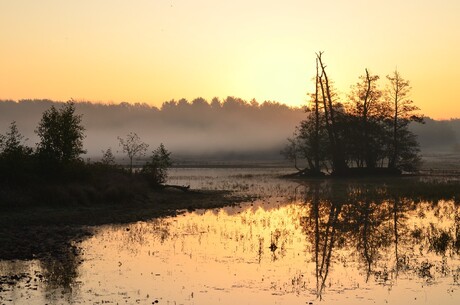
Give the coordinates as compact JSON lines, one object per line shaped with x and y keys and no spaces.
{"x":181,"y":112}
{"x":231,"y":125}
{"x":367,"y":133}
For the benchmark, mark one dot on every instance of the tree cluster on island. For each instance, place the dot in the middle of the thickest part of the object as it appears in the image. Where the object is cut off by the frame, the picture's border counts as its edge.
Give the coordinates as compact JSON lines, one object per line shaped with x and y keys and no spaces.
{"x":367,"y":134}
{"x":56,"y":159}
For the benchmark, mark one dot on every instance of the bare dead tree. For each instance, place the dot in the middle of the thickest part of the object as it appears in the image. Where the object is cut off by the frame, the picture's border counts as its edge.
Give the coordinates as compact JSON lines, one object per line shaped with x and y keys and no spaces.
{"x":339,"y":165}
{"x":133,"y":147}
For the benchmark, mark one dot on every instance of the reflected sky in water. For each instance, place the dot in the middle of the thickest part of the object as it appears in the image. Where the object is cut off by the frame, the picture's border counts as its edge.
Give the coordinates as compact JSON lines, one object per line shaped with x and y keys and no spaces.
{"x":318,"y":242}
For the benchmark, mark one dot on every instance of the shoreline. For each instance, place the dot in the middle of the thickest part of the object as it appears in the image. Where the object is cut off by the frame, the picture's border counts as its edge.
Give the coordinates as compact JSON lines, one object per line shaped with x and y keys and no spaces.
{"x":29,"y":231}
{"x":45,"y":231}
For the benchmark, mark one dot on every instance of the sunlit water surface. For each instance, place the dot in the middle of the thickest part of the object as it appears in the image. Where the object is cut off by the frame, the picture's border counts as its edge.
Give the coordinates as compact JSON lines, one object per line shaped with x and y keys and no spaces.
{"x":294,"y":245}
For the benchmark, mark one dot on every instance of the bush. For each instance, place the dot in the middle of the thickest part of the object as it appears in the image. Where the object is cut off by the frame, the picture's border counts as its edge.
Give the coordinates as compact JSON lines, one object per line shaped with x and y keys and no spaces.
{"x":156,"y":170}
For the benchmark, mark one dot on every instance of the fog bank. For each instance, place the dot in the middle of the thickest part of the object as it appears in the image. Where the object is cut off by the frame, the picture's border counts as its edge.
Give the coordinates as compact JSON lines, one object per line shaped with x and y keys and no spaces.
{"x":228,"y":129}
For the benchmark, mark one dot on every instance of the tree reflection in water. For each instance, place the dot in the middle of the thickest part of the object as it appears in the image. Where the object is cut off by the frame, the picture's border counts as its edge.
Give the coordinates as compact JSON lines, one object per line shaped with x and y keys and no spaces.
{"x":367,"y":223}
{"x":60,"y":272}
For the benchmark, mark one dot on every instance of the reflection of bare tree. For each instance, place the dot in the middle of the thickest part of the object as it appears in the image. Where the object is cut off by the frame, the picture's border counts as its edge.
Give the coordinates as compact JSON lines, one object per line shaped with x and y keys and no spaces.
{"x":369,"y":251}
{"x":370,"y":219}
{"x":398,"y":210}
{"x":325,"y":245}
{"x":368,"y":216}
{"x":325,"y":218}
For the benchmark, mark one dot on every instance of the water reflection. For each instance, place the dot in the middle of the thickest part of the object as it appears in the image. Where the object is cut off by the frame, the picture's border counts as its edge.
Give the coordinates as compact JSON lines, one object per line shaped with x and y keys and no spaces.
{"x":41,"y":280}
{"x":317,"y":241}
{"x":381,"y":229}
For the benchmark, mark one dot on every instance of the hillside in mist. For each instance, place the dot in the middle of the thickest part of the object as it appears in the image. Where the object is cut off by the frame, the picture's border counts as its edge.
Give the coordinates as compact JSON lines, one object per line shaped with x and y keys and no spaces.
{"x":232,"y":128}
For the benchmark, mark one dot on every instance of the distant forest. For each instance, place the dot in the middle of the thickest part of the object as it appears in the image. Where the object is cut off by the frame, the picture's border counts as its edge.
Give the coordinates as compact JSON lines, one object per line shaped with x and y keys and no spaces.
{"x":231,"y":128}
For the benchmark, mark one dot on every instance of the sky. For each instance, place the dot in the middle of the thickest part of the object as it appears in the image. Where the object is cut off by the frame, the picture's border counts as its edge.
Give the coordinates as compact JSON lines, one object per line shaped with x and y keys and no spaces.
{"x":151,"y":51}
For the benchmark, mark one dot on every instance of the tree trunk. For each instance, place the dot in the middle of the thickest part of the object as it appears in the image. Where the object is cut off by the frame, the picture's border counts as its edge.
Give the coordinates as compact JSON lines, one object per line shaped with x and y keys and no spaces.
{"x":339,"y":165}
{"x":316,"y":143}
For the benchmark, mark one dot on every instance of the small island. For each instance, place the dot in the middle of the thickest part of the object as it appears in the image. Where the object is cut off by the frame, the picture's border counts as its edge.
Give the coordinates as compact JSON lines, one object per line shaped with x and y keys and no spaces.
{"x":366,"y":135}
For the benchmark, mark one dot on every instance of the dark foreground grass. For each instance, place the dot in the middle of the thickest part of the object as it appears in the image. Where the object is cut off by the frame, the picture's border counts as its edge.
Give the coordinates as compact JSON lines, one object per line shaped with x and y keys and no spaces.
{"x":49,"y":229}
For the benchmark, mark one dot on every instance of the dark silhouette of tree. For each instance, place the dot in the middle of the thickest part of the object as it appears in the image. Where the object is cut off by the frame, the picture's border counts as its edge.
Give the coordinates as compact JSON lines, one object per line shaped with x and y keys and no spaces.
{"x":331,"y":114}
{"x":318,"y":124}
{"x":365,"y":135}
{"x":310,"y":143}
{"x":133,"y":147}
{"x":367,"y":111}
{"x":403,"y":148}
{"x":155,"y":170}
{"x":61,"y":134}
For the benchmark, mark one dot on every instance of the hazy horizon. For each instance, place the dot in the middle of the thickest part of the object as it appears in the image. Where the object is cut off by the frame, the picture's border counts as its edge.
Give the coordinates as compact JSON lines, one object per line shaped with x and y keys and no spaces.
{"x":200,"y":129}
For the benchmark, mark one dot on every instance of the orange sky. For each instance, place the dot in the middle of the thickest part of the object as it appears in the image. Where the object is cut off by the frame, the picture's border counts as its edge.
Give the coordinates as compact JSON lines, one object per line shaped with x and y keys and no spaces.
{"x":156,"y":50}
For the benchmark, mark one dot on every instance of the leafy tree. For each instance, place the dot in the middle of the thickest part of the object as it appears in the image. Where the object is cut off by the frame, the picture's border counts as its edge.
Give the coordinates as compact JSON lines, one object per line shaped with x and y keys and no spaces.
{"x":133,"y":147}
{"x":61,"y":134}
{"x":156,"y":169}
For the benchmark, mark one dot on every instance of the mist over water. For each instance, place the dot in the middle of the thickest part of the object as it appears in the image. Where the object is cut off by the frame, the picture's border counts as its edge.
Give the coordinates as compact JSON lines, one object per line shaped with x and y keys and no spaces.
{"x":228,"y":129}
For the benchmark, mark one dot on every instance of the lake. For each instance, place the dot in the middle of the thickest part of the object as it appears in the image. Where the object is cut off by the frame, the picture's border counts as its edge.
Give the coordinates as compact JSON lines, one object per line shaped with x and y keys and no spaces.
{"x":362,"y":241}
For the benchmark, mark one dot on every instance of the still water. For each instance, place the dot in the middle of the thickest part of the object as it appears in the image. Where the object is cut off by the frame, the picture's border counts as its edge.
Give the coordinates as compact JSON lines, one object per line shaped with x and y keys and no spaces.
{"x":316,"y":242}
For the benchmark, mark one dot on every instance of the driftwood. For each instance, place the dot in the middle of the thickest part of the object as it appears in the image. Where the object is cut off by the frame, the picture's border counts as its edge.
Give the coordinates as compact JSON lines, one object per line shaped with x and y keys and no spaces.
{"x":179,"y":187}
{"x":306,"y":173}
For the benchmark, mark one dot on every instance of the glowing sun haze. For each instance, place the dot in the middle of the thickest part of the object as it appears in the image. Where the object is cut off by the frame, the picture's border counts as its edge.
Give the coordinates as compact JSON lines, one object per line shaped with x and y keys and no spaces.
{"x":157,"y":50}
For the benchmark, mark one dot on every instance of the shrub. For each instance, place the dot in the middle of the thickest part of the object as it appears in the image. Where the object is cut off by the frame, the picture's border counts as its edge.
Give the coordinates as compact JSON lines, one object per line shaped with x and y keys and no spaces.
{"x":156,"y":169}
